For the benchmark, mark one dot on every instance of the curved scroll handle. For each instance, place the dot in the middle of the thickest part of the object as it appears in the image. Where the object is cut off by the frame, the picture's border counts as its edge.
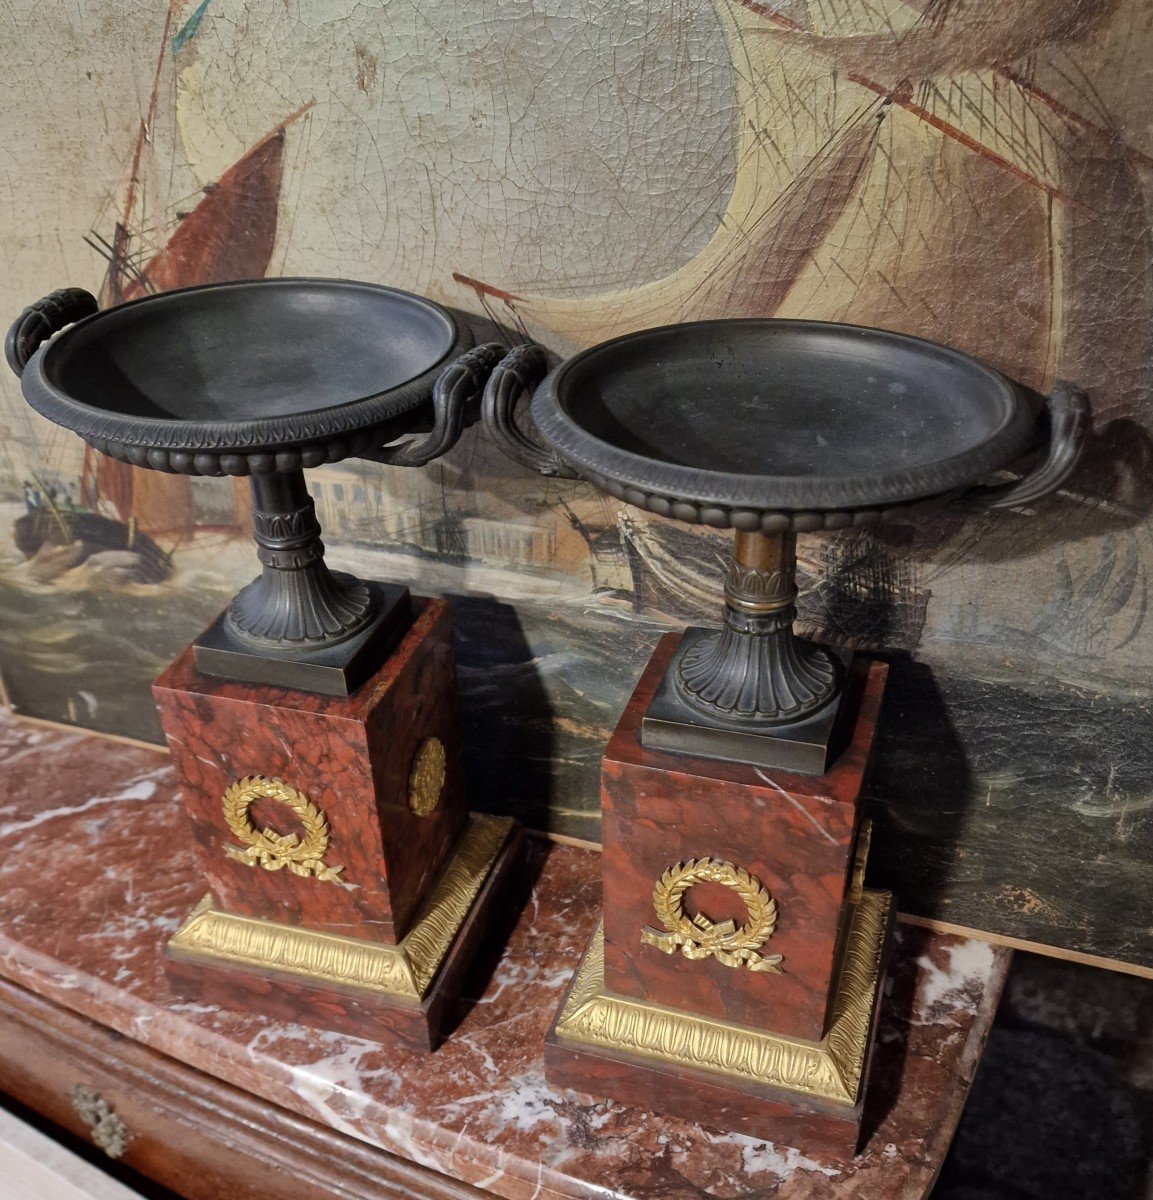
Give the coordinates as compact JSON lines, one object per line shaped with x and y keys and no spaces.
{"x":455,"y":391}
{"x":1068,"y":410}
{"x":39,"y":321}
{"x":517,"y":375}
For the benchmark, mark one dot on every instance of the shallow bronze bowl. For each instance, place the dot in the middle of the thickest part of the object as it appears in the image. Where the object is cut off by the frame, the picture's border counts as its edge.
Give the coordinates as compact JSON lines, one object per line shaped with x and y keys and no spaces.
{"x":263,"y":378}
{"x":771,"y":428}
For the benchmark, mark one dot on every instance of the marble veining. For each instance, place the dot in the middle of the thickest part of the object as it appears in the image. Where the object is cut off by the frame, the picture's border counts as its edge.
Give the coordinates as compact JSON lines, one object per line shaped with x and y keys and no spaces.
{"x":951,"y":988}
{"x":98,"y":869}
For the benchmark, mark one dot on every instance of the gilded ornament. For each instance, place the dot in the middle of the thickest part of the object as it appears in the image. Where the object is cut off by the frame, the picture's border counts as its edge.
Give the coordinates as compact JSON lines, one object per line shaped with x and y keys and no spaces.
{"x":267,"y":848}
{"x":829,"y":1070}
{"x":698,"y":937}
{"x":404,"y":971}
{"x":860,"y":860}
{"x":426,"y":779}
{"x":108,"y":1130}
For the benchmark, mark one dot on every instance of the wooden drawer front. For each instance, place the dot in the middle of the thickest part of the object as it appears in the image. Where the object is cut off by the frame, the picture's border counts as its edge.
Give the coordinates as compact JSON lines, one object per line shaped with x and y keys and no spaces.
{"x":203,"y":1139}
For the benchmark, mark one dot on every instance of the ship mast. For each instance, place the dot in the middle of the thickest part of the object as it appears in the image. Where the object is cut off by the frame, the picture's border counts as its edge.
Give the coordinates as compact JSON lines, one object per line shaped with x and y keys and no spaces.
{"x":113,"y":291}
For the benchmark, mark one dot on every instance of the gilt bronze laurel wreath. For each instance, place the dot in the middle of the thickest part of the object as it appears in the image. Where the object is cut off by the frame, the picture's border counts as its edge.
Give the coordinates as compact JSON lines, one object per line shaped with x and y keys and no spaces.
{"x":698,"y":937}
{"x":267,"y":848}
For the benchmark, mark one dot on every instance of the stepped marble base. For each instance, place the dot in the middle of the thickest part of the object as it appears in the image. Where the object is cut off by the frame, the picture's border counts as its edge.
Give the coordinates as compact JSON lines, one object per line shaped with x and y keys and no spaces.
{"x":749,"y":1081}
{"x":408,"y":991}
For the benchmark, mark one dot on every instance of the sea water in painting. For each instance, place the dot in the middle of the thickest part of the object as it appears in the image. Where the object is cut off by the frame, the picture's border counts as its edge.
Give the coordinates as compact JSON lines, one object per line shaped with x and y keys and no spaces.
{"x":974,"y":173}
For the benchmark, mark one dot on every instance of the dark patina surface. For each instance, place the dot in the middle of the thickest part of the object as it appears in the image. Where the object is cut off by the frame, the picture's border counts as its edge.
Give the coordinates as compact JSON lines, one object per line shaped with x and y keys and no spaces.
{"x":771,"y":428}
{"x":264,"y":378}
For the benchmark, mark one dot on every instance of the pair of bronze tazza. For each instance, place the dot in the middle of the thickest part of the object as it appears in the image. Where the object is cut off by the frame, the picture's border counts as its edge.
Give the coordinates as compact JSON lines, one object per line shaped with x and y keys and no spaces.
{"x":771,"y":428}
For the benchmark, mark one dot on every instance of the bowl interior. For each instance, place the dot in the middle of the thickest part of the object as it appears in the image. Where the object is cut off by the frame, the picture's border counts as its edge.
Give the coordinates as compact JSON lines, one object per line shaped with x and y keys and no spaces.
{"x":248,"y":351}
{"x":784,"y":399}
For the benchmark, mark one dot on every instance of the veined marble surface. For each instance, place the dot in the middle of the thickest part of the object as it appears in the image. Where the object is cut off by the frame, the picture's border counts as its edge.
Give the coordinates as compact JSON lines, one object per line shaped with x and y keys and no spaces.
{"x":96,"y":872}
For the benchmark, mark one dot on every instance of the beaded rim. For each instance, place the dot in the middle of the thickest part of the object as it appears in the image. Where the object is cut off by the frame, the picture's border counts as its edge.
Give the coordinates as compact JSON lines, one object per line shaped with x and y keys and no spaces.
{"x":777,"y":503}
{"x":236,"y":447}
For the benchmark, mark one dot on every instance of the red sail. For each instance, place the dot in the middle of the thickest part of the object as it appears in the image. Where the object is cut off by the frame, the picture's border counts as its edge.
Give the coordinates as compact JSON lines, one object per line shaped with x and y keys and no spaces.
{"x":230,"y":234}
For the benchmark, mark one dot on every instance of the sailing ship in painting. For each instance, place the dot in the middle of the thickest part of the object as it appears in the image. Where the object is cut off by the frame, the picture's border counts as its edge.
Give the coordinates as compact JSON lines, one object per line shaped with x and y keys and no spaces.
{"x":935,"y":180}
{"x":118,"y":517}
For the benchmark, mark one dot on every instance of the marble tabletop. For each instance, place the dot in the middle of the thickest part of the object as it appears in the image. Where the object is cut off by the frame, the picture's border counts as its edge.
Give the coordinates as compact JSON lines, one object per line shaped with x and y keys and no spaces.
{"x":96,"y":872}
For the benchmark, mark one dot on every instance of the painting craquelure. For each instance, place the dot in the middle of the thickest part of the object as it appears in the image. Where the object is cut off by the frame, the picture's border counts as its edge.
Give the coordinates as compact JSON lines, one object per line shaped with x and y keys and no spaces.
{"x":974,"y":172}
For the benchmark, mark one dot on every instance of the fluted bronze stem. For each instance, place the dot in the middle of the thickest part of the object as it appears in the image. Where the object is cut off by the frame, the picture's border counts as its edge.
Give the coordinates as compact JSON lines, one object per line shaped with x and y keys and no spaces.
{"x":753,"y":668}
{"x":297,"y":603}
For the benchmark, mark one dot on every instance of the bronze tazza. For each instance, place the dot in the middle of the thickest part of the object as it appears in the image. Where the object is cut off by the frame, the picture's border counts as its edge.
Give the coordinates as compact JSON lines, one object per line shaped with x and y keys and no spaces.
{"x":264,"y":378}
{"x":774,"y":428}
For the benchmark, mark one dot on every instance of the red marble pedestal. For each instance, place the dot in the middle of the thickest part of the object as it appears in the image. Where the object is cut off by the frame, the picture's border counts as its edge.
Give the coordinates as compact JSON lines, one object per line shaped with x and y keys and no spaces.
{"x":347,"y":883}
{"x":96,"y":871}
{"x":739,"y":966}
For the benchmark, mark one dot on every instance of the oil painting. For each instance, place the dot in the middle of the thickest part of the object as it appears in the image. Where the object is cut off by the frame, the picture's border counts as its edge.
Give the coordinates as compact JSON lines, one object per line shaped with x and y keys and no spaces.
{"x":972,"y":171}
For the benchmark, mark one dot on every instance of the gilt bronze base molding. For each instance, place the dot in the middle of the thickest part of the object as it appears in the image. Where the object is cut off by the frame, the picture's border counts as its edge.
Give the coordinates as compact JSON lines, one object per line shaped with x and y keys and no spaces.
{"x":719,"y":1073}
{"x":351,"y":984}
{"x":402,"y":972}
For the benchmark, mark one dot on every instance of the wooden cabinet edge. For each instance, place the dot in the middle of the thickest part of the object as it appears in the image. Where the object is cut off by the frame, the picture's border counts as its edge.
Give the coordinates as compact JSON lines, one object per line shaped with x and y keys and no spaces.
{"x":194,"y":1134}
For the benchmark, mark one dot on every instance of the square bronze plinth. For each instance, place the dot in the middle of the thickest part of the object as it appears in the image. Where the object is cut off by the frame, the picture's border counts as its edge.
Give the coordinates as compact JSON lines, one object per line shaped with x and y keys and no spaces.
{"x":334,"y":671}
{"x":735,"y":1077}
{"x":807,"y":747}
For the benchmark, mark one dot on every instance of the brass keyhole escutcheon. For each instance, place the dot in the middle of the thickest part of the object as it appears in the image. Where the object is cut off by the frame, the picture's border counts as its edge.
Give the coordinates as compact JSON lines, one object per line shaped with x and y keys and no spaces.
{"x":426,"y":778}
{"x":108,"y":1131}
